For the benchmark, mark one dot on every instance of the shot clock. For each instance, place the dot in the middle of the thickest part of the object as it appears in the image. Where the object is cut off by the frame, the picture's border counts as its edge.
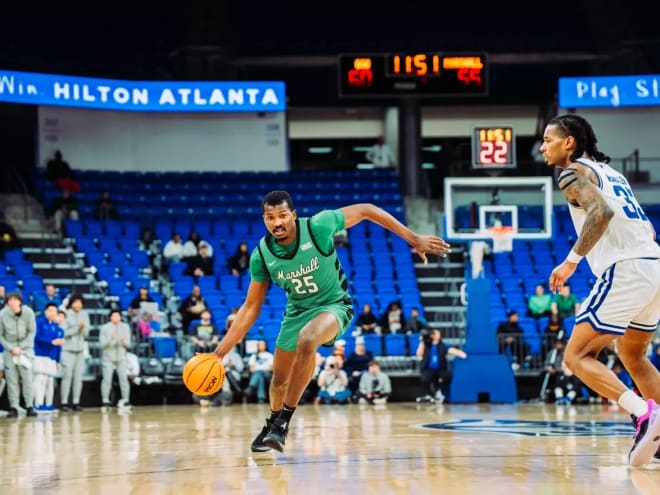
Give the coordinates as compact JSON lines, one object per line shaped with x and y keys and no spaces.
{"x":493,"y":148}
{"x":429,"y":74}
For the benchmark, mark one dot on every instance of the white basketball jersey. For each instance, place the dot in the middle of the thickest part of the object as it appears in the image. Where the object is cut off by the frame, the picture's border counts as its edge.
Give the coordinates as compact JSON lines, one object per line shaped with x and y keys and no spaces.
{"x":629,"y":234}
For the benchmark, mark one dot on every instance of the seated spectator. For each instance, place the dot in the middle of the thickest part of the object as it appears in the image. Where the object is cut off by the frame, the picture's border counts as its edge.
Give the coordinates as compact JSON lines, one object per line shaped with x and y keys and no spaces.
{"x":565,"y":304}
{"x":201,"y":264}
{"x":240,"y":260}
{"x":367,"y":321}
{"x":173,"y":251}
{"x":231,"y":387}
{"x":392,"y":320}
{"x":415,"y":323}
{"x":434,"y":366}
{"x":105,"y":208}
{"x":191,"y":308}
{"x":191,"y":246}
{"x":204,"y":334}
{"x":511,"y":341}
{"x":8,"y":236}
{"x":540,"y":304}
{"x":261,"y":370}
{"x":61,"y":174}
{"x":136,"y":303}
{"x":41,"y":299}
{"x":64,"y":208}
{"x":357,"y":363}
{"x":375,"y":386}
{"x":148,"y":323}
{"x":553,"y":331}
{"x":333,"y":383}
{"x":567,"y":387}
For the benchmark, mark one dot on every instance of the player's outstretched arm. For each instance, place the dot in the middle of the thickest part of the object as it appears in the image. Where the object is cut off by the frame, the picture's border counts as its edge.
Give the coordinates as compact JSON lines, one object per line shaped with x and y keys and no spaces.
{"x":245,"y":318}
{"x":422,"y":244}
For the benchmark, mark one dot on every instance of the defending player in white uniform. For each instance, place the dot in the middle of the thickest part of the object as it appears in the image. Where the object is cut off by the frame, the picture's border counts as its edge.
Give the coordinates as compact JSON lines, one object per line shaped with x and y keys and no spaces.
{"x":619,"y":243}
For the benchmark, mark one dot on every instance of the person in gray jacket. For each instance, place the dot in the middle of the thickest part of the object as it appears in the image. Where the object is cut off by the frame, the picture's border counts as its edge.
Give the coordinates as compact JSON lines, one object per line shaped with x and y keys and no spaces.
{"x":115,"y":339}
{"x":76,"y":332}
{"x":17,"y":330}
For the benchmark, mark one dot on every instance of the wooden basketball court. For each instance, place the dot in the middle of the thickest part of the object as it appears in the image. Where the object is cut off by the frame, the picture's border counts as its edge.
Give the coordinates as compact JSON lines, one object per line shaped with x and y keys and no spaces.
{"x":184,"y":449}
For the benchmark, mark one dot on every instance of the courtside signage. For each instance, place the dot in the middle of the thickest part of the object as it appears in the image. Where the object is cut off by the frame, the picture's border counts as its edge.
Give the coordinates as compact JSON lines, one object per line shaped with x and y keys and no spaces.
{"x":609,"y":91}
{"x":142,"y":96}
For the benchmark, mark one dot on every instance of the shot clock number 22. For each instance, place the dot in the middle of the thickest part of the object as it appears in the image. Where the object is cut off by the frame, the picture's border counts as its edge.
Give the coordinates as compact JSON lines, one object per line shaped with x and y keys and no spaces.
{"x":493,"y":148}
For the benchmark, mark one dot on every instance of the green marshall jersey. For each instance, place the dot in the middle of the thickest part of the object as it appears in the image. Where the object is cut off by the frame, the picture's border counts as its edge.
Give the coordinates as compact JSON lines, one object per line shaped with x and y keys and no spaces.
{"x":307,"y":269}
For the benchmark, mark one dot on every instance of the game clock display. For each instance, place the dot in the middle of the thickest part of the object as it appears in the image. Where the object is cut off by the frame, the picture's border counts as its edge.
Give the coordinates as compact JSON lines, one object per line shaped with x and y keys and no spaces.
{"x":493,"y":148}
{"x":414,"y":74}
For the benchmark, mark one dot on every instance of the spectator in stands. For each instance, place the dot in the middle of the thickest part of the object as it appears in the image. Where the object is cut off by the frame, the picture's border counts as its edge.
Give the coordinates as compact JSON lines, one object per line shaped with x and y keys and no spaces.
{"x":392,"y":320}
{"x":41,"y":299}
{"x":565,"y":304}
{"x":567,"y":387}
{"x":240,"y":260}
{"x":234,"y":366}
{"x":173,"y":251}
{"x":553,"y":331}
{"x":115,"y":340}
{"x":333,"y":383}
{"x":375,"y":386}
{"x":510,"y":339}
{"x":380,"y":154}
{"x":367,"y":321}
{"x":261,"y":370}
{"x":434,"y":366}
{"x":134,"y":307}
{"x":64,"y":208}
{"x":3,"y":296}
{"x":202,"y":264}
{"x":17,"y":332}
{"x":357,"y":363}
{"x":73,"y":353}
{"x":540,"y":304}
{"x":48,"y":343}
{"x":204,"y":334}
{"x":60,"y":172}
{"x":105,"y":207}
{"x":191,"y":307}
{"x":191,"y":246}
{"x":148,"y":323}
{"x":8,"y":236}
{"x":415,"y":323}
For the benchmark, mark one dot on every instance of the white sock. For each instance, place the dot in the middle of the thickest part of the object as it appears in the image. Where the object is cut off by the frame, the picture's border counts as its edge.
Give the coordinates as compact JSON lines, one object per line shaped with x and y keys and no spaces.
{"x":633,"y":403}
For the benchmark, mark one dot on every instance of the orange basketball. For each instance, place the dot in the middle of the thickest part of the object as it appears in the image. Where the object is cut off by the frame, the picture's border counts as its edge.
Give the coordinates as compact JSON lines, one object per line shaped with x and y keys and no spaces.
{"x":204,"y":374}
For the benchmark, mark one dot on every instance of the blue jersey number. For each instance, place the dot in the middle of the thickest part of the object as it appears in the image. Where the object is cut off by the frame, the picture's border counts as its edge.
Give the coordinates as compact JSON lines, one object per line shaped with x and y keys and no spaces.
{"x":633,"y":210}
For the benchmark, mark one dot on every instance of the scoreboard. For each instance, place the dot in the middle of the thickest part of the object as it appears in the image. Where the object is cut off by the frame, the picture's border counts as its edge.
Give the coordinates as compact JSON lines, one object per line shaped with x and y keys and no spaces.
{"x":493,"y":148}
{"x":427,"y":74}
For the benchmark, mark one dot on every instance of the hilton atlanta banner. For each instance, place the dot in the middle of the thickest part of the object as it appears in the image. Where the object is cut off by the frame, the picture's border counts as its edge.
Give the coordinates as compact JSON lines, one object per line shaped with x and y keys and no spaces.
{"x":609,"y":91}
{"x":142,"y":96}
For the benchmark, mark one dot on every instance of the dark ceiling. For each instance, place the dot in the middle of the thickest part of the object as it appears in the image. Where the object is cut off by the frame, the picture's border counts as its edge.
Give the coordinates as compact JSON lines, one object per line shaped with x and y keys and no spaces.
{"x":529,"y":46}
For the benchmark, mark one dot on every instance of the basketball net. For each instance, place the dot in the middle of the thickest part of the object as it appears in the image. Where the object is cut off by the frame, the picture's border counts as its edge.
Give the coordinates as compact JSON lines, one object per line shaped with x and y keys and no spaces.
{"x":502,"y":237}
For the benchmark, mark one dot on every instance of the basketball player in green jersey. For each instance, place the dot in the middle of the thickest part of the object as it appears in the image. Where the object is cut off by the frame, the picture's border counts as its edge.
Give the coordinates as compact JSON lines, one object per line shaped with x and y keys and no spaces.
{"x":298,"y":255}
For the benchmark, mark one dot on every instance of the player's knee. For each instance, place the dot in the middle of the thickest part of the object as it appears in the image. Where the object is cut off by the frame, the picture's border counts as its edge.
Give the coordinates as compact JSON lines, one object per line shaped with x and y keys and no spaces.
{"x":306,"y":343}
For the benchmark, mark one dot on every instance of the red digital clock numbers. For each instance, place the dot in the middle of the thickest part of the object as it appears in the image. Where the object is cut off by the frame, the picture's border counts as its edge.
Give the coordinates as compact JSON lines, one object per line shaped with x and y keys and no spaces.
{"x":493,"y":148}
{"x":421,"y":74}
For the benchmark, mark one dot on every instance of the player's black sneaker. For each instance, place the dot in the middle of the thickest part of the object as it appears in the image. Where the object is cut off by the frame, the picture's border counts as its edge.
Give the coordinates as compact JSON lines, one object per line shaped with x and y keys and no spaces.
{"x":277,"y":435}
{"x":647,"y":436}
{"x":258,"y":443}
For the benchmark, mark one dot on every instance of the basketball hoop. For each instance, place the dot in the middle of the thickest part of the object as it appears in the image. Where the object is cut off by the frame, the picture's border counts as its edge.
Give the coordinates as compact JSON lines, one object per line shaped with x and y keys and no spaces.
{"x":502,"y":237}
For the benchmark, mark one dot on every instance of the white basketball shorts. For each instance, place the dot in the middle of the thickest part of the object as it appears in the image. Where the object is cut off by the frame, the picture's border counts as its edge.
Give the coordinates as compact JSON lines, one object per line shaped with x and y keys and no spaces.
{"x":627,"y":295}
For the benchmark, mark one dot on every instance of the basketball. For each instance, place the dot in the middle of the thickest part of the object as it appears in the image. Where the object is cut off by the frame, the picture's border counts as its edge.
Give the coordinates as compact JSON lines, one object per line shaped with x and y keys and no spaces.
{"x":204,"y":374}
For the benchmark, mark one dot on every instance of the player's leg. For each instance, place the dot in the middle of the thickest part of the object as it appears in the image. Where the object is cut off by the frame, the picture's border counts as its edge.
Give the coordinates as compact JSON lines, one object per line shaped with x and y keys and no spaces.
{"x":322,"y":328}
{"x":632,"y":350}
{"x":582,"y":349}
